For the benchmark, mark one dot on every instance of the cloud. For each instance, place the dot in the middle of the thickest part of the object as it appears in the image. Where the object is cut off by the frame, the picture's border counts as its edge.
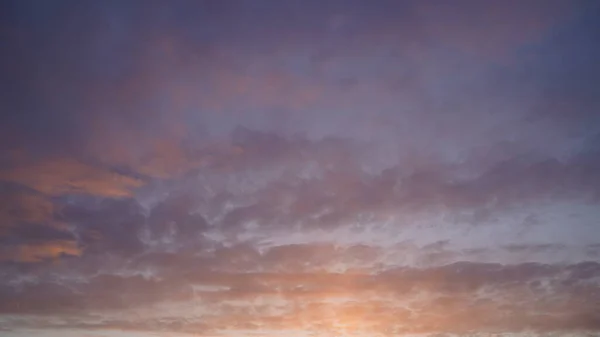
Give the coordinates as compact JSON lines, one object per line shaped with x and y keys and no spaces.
{"x":454,"y":298}
{"x":38,"y":252}
{"x":67,"y":176}
{"x":338,"y":192}
{"x":472,"y":27}
{"x":21,"y":206}
{"x":339,"y":167}
{"x":192,"y":244}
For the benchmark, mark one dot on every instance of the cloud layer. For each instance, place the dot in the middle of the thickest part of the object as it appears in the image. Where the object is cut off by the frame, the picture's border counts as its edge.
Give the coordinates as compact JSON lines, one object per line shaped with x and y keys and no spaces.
{"x":359,"y":168}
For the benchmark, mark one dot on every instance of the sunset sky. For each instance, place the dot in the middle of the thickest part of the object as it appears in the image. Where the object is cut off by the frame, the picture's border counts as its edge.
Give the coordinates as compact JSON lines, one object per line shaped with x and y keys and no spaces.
{"x":299,"y":168}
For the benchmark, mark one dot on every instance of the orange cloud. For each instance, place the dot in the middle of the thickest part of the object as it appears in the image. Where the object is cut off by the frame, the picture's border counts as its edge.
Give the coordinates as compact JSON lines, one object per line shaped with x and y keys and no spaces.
{"x":36,"y":252}
{"x":62,"y":176}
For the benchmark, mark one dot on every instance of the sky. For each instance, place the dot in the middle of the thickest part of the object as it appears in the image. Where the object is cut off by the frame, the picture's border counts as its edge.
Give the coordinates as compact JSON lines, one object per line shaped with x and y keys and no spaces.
{"x":232,"y":168}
